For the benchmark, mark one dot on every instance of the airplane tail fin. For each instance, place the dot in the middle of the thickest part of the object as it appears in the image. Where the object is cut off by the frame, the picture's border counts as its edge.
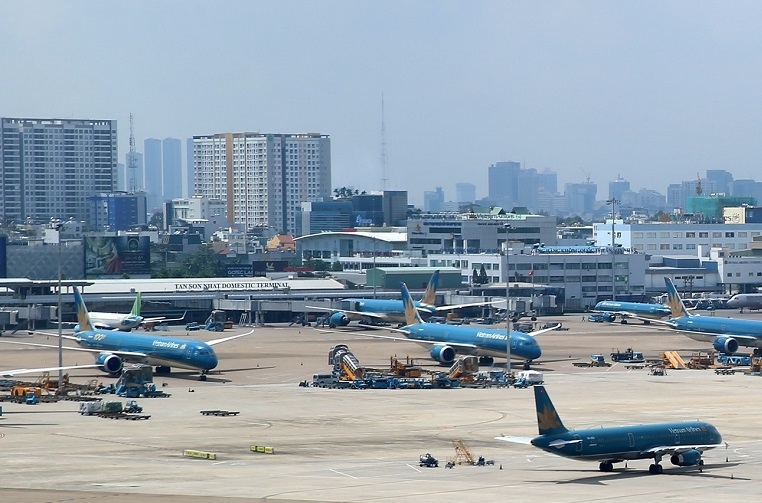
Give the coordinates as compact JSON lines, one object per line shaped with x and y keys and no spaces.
{"x":430,"y":295}
{"x":548,"y":421}
{"x":136,"y":306}
{"x":83,"y":319}
{"x":674,"y":302}
{"x":411,"y":313}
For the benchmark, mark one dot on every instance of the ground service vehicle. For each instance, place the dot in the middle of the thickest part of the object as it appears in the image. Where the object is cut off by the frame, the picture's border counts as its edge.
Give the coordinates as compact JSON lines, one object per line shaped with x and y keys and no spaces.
{"x":428,"y":460}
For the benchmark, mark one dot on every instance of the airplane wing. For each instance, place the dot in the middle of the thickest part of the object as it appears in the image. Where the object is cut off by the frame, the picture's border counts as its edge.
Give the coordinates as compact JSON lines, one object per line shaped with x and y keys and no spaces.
{"x":355,"y":314}
{"x":417,"y":341}
{"x":11,"y":373}
{"x":677,"y":449}
{"x":542,"y":331}
{"x":516,"y":440}
{"x":49,"y":334}
{"x":225,"y":339}
{"x":161,"y":319}
{"x":459,"y":306}
{"x":88,"y":350}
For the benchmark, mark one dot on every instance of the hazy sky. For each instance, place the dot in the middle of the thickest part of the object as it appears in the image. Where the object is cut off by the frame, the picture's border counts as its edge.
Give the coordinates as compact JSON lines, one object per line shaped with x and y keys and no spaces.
{"x":654,"y":90}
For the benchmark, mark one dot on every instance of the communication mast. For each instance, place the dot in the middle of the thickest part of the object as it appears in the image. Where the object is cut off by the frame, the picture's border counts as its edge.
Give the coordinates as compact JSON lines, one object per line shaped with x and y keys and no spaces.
{"x":699,"y":188}
{"x":132,"y":162}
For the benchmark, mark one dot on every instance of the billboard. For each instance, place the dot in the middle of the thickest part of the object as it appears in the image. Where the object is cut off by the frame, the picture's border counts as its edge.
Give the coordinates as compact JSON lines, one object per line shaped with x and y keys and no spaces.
{"x":3,"y":242}
{"x":117,"y":256}
{"x":262,"y":267}
{"x":239,"y":270}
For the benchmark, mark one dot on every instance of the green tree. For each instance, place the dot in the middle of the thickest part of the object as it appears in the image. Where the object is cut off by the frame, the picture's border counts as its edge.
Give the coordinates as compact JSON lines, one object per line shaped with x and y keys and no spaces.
{"x":337,"y":267}
{"x":202,"y":263}
{"x":483,"y":280}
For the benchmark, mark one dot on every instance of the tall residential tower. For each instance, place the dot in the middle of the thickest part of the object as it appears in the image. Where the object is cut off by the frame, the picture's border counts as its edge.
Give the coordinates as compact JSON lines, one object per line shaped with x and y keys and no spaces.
{"x":263,"y":178}
{"x":49,"y":167}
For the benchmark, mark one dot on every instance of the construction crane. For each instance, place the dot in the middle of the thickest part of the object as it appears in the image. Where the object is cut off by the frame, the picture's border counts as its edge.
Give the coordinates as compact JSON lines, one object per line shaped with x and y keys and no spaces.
{"x":699,"y":188}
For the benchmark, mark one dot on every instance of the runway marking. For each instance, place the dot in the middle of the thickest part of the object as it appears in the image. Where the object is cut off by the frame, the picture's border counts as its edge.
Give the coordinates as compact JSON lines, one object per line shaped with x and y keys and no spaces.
{"x":345,"y":474}
{"x":414,"y":468}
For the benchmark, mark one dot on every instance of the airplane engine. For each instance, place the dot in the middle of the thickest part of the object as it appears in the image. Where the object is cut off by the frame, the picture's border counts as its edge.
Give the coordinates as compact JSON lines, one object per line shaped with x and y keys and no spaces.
{"x":338,"y":320}
{"x":687,"y":458}
{"x":443,"y":354}
{"x":609,"y":317}
{"x":76,"y":328}
{"x":727,"y":345}
{"x":109,"y":363}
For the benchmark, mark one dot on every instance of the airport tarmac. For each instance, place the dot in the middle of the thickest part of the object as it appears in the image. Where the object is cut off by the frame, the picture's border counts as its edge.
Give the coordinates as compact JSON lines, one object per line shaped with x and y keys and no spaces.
{"x":363,"y":445}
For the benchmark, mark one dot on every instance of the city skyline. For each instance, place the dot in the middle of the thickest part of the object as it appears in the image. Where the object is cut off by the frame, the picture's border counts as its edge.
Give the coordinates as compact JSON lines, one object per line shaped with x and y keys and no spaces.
{"x":649,"y":90}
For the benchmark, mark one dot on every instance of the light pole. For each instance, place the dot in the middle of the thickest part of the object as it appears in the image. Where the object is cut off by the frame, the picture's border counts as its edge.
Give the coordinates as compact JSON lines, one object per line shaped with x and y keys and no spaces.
{"x":507,"y":315}
{"x":59,"y":227}
{"x":613,"y":202}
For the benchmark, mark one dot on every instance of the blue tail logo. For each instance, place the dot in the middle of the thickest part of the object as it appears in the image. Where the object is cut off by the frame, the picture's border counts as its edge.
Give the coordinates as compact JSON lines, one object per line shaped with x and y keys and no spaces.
{"x":548,"y":421}
{"x":411,"y":313}
{"x":82,"y":317}
{"x":674,"y":302}
{"x":430,"y":295}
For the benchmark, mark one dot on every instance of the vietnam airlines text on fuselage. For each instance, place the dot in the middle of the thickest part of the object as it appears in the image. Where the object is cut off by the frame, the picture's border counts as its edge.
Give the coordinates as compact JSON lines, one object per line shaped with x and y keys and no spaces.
{"x":485,"y":342}
{"x":639,"y":309}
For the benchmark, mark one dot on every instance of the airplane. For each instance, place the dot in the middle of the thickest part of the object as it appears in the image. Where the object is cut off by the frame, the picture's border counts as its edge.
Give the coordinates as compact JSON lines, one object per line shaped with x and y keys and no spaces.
{"x":725,"y":334}
{"x":126,"y":322}
{"x":683,"y":442}
{"x":447,"y":341}
{"x":113,"y":348}
{"x":387,"y":310}
{"x":611,"y":309}
{"x":745,"y":300}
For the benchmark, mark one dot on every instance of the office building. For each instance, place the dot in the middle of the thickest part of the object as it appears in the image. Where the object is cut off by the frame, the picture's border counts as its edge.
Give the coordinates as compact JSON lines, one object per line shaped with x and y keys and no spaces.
{"x":263,"y":178}
{"x":465,"y":193}
{"x":153,"y":172}
{"x":50,"y":167}
{"x":117,"y":211}
{"x":502,"y":178}
{"x":171,"y":169}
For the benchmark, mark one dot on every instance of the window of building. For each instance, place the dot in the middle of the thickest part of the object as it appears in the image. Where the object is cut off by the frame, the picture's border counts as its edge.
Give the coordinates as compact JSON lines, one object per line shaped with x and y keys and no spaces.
{"x":651,"y":246}
{"x":677,"y":247}
{"x":650,"y":234}
{"x":677,"y":234}
{"x":664,"y":246}
{"x":690,"y":234}
{"x":664,"y":234}
{"x":637,"y":235}
{"x":703,"y":234}
{"x":730,"y":234}
{"x":717,"y":234}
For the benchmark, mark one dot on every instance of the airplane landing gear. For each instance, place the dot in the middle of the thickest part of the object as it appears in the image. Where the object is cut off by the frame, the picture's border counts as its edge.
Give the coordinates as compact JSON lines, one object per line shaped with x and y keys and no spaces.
{"x":655,"y":469}
{"x":202,"y":377}
{"x":606,"y":466}
{"x":526,"y":366}
{"x":163,"y":370}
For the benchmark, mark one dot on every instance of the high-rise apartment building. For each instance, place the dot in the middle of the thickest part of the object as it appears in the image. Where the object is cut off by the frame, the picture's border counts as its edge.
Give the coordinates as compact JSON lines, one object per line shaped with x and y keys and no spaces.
{"x":263,"y":178}
{"x":188,"y":190}
{"x":50,"y":167}
{"x":152,"y":172}
{"x":171,"y":169}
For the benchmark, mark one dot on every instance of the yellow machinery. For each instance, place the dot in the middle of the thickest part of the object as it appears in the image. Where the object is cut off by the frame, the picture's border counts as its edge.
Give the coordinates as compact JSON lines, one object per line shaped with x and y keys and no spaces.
{"x":672,"y":360}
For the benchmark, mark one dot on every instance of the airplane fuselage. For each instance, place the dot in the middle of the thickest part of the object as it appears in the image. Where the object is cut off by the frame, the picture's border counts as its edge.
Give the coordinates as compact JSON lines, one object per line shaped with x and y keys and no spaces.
{"x":706,"y":329}
{"x":393,"y":310}
{"x":627,"y":442}
{"x":746,"y":300}
{"x":487,"y":342}
{"x":117,"y":321}
{"x":160,"y":351}
{"x":654,"y":311}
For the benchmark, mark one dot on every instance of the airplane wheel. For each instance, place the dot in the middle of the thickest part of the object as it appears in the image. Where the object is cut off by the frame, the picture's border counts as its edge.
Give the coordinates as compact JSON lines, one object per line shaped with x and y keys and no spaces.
{"x":606,"y":466}
{"x":701,"y":462}
{"x":202,"y":377}
{"x":623,"y":322}
{"x":526,"y":366}
{"x":652,"y":470}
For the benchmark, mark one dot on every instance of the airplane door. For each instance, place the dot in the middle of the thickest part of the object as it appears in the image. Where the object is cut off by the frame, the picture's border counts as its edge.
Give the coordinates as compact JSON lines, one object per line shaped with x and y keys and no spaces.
{"x":677,"y":438}
{"x":578,"y":444}
{"x":632,"y":440}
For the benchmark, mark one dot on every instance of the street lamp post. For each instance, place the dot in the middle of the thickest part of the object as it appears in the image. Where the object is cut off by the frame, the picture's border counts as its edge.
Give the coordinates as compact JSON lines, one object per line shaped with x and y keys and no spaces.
{"x":507,"y":313}
{"x":613,"y":202}
{"x":59,"y":227}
